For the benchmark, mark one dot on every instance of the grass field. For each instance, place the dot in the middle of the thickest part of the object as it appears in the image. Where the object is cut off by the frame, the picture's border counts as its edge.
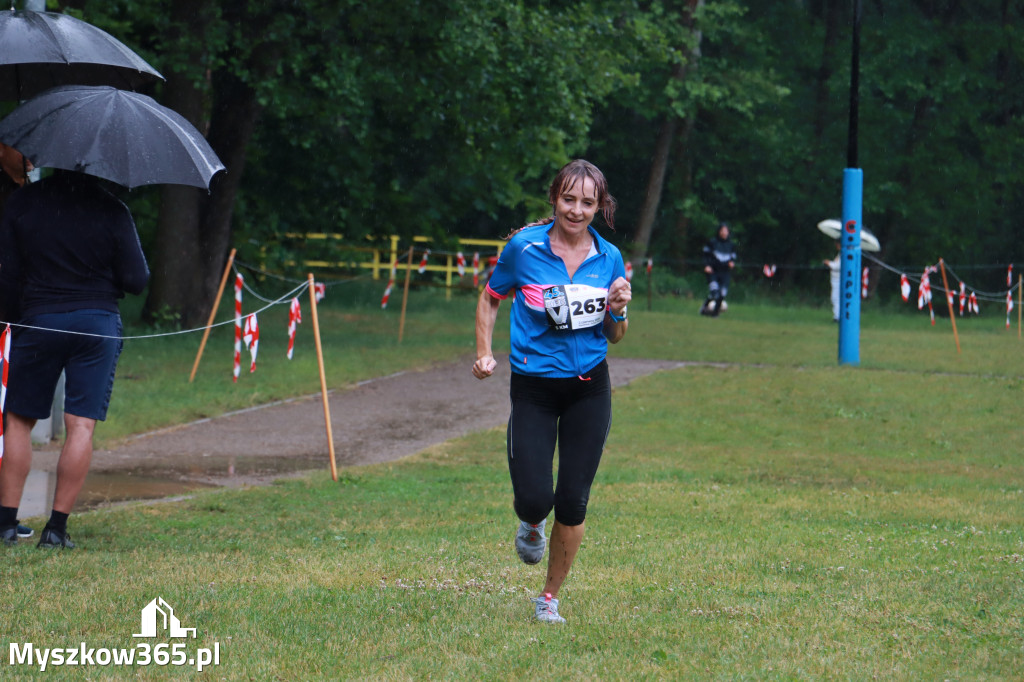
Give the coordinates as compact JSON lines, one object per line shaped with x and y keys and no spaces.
{"x":766,"y":514}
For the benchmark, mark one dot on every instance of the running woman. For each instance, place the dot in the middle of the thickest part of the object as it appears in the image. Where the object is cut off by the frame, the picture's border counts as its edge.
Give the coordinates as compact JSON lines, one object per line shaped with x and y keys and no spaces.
{"x":569,"y":298}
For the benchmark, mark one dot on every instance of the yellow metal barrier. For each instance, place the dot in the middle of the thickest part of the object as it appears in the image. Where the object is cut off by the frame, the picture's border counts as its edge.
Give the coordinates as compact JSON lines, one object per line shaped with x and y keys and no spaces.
{"x":380,"y":267}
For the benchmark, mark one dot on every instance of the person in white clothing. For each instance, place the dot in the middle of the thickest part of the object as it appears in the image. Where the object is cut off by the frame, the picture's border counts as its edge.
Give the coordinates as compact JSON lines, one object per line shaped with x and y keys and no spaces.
{"x":833,"y":278}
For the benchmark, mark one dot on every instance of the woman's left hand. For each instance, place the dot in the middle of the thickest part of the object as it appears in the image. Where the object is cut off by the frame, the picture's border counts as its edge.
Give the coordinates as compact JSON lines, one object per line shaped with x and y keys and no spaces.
{"x":619,"y":296}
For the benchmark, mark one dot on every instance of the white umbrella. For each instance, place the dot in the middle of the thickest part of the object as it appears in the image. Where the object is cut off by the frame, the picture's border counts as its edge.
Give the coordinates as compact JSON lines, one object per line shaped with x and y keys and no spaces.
{"x":834,"y":229}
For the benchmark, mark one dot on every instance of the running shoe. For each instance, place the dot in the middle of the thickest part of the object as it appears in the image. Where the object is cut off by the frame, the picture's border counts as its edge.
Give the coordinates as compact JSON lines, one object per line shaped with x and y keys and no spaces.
{"x":530,"y":542}
{"x":9,"y":536}
{"x":547,"y":609}
{"x":25,"y":532}
{"x":54,"y":539}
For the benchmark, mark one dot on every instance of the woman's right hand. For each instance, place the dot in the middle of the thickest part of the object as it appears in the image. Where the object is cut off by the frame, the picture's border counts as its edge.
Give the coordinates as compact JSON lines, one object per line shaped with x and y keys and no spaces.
{"x":484,"y":366}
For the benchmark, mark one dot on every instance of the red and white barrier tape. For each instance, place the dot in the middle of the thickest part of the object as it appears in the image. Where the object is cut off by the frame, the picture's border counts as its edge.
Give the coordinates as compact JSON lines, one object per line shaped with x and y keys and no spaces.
{"x":294,"y":319}
{"x":5,"y":358}
{"x":924,"y":292}
{"x":238,"y":327}
{"x":391,"y":283}
{"x":251,"y":336}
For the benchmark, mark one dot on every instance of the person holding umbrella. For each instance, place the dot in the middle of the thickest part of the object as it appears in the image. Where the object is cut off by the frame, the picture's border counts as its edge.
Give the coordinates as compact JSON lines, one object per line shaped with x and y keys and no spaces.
{"x":834,"y":266}
{"x":43,"y":49}
{"x":93,"y":256}
{"x":68,"y":252}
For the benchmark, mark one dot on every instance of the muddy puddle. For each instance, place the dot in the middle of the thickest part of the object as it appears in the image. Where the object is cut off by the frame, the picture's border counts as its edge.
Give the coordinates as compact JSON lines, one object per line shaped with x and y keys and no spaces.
{"x":178,"y":477}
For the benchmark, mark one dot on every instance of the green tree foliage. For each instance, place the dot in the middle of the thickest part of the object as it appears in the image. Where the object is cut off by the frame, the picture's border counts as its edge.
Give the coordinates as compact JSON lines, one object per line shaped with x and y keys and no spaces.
{"x":945,"y":130}
{"x":449,"y":118}
{"x":442,"y":118}
{"x":941,"y":102}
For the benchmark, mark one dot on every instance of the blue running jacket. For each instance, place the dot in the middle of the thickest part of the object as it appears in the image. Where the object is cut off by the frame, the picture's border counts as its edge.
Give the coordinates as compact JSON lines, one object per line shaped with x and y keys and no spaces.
{"x":556,"y":322}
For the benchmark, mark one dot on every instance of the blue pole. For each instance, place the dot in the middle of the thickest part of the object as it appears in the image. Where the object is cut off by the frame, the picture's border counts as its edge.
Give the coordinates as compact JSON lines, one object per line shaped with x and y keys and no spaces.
{"x":853,"y":201}
{"x":849,"y":282}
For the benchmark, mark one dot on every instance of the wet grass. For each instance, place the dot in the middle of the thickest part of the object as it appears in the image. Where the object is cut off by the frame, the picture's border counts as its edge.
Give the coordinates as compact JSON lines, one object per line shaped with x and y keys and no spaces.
{"x":360,"y":342}
{"x":778,"y":517}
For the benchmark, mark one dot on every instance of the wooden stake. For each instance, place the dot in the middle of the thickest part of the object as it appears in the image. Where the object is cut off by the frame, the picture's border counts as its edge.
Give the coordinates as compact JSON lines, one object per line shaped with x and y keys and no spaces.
{"x":213,"y":314}
{"x":949,"y":302}
{"x":323,"y":376}
{"x":405,"y":296}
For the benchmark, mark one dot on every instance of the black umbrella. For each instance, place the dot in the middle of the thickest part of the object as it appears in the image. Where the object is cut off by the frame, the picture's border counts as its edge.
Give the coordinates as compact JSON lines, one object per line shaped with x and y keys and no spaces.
{"x":122,"y":136}
{"x":39,"y":50}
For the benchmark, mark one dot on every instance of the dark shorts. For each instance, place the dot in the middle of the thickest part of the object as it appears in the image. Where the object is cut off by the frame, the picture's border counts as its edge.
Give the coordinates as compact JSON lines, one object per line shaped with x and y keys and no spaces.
{"x":88,"y":362}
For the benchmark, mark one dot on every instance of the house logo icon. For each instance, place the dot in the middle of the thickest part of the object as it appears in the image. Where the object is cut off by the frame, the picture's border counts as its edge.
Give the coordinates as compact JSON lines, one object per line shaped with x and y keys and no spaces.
{"x":158,"y":615}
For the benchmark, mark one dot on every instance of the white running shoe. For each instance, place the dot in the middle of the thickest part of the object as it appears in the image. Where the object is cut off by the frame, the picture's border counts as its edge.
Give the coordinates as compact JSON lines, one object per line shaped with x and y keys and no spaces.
{"x":547,"y":609}
{"x":530,"y":542}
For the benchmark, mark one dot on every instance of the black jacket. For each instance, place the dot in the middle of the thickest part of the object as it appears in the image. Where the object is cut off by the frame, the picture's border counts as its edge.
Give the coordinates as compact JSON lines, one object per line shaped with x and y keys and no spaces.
{"x":66,"y":243}
{"x":718,"y":252}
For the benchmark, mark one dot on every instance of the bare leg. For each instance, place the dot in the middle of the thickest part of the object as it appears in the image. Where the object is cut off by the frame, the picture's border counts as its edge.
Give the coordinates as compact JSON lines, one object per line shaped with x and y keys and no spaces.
{"x":73,"y":464}
{"x":17,"y":459}
{"x":565,"y":542}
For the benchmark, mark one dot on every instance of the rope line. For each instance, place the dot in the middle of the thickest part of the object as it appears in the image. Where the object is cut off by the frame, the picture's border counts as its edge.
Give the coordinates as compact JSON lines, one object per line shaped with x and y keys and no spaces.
{"x":995,"y":294}
{"x":291,"y":294}
{"x":265,"y":273}
{"x":245,"y":285}
{"x":989,"y":296}
{"x":283,"y":278}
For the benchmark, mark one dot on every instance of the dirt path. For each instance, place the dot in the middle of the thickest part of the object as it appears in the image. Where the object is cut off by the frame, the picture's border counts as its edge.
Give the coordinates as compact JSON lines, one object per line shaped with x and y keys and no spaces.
{"x":379,"y":420}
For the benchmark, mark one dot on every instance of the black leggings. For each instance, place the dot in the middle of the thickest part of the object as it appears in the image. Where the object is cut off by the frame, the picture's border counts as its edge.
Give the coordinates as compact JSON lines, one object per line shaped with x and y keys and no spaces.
{"x":576,"y":412}
{"x":718,"y":285}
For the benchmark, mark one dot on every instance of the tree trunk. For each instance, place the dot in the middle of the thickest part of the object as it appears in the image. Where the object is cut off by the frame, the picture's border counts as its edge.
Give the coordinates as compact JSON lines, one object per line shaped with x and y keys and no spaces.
{"x":195,"y":226}
{"x":663,"y":145}
{"x":233,"y":125}
{"x":172,"y":287}
{"x":655,"y":185}
{"x":172,"y":280}
{"x":684,"y":172}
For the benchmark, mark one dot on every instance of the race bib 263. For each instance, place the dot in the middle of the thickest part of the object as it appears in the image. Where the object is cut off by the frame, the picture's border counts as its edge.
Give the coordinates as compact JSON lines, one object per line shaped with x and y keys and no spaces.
{"x":574,"y":306}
